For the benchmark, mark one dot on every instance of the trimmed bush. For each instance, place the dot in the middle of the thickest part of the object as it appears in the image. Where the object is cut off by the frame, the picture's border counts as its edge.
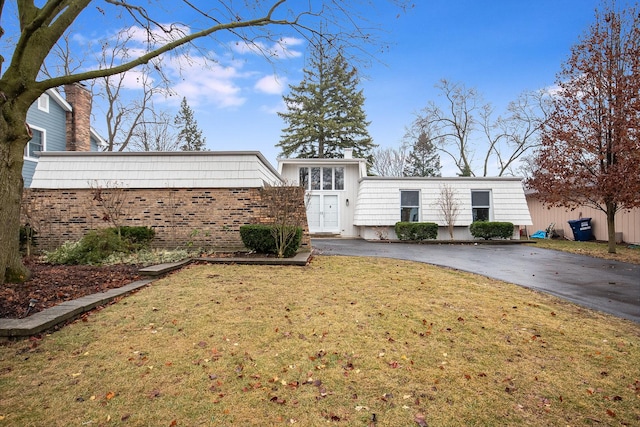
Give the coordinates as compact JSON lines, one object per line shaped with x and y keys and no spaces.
{"x":416,"y":230}
{"x":259,"y":238}
{"x":136,"y":235}
{"x":490,"y":230}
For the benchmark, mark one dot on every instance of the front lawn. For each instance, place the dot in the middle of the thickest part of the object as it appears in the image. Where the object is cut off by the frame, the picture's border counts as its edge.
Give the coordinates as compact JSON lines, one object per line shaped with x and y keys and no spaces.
{"x":344,"y":341}
{"x":624,"y":252}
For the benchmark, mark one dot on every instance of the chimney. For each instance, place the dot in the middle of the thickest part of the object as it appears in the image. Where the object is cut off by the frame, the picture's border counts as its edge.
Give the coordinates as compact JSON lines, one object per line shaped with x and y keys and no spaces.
{"x":348,"y":153}
{"x":79,"y":118}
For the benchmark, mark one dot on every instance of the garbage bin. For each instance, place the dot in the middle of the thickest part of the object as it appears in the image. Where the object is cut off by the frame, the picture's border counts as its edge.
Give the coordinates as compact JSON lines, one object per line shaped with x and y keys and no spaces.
{"x":581,"y":229}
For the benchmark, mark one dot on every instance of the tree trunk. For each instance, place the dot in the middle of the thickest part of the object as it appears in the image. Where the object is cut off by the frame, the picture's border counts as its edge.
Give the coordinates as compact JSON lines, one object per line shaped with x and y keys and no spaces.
{"x":11,"y":185}
{"x":611,"y":226}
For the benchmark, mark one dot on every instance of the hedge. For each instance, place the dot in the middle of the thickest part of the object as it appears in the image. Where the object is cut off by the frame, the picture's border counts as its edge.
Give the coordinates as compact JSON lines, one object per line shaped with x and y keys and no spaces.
{"x":416,"y":230}
{"x":259,"y":238}
{"x":489,"y":230}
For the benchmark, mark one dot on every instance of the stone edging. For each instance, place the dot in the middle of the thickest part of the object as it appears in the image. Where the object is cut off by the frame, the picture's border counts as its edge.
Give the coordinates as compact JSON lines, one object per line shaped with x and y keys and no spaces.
{"x":46,"y":319}
{"x":50,"y":317}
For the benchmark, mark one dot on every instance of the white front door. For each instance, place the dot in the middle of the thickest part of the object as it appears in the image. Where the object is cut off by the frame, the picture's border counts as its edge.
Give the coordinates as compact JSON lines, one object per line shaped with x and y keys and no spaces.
{"x":322,"y":213}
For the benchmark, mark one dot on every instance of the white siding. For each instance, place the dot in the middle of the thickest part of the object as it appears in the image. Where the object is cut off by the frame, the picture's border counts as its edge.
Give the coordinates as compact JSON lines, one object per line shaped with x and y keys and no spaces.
{"x":354,"y":169}
{"x":154,"y":170}
{"x":378,"y":202}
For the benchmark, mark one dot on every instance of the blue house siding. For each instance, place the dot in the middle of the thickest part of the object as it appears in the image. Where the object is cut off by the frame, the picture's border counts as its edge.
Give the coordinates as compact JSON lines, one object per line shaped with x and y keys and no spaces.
{"x":53,"y":121}
{"x":28,"y":169}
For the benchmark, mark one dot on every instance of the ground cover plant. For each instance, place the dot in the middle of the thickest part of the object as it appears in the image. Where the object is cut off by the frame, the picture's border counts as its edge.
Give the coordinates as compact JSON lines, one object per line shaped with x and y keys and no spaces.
{"x":624,"y":252}
{"x":344,"y":341}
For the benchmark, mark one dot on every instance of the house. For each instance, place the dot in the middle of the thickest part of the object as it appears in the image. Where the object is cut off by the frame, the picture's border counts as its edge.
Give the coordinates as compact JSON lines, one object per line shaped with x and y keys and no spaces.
{"x":342,"y":200}
{"x":201,"y":199}
{"x":190,"y":199}
{"x":627,"y":221}
{"x":59,"y":124}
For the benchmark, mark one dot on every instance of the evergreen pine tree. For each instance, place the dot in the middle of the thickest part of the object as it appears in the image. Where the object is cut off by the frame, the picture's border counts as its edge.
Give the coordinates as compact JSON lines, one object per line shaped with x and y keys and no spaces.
{"x":325,"y":112}
{"x":190,"y":137}
{"x":423,"y":159}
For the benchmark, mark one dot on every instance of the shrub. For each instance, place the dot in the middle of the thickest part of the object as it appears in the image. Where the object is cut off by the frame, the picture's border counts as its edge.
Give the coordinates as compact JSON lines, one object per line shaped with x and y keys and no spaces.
{"x":138,"y":235}
{"x":68,"y":253}
{"x":95,"y":247}
{"x":416,"y":230}
{"x":489,"y":230}
{"x":260,"y":238}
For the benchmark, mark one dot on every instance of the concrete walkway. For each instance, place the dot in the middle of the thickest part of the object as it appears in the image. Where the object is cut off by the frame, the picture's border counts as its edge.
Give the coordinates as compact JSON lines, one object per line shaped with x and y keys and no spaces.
{"x":609,"y":286}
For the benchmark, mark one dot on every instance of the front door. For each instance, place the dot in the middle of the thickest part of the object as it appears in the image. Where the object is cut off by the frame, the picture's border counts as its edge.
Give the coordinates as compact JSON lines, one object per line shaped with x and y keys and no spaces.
{"x":322,"y":213}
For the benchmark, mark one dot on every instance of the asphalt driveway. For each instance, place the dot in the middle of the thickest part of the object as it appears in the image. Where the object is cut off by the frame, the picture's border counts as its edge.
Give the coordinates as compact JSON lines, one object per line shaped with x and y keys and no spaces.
{"x":609,"y":286}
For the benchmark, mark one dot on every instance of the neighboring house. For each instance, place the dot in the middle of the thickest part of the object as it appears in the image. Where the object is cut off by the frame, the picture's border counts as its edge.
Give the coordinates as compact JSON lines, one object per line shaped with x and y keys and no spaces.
{"x":59,"y":124}
{"x":627,"y":221}
{"x":343,"y":200}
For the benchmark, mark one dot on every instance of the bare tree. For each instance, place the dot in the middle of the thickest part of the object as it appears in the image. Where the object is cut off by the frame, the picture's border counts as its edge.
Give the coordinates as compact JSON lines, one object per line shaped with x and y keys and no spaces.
{"x":111,"y":200}
{"x":390,"y":161}
{"x":40,"y":26}
{"x":448,"y":206}
{"x":450,"y":128}
{"x":155,"y":132}
{"x":284,"y":204}
{"x":122,"y":115}
{"x":465,"y":127}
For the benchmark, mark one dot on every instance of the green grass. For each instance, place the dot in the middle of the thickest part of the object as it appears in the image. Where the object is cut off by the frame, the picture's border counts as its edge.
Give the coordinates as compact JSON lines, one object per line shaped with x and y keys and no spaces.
{"x":331,"y":343}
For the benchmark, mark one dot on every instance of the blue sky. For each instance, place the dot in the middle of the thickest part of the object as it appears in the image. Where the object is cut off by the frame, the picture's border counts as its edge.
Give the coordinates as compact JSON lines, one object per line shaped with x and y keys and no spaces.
{"x":499,"y":47}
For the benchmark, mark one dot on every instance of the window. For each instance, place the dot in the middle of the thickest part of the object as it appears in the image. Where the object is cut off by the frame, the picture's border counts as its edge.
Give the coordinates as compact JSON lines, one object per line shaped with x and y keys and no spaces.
{"x":409,"y":205}
{"x":325,"y":178}
{"x":481,"y":205}
{"x":43,"y":103}
{"x":304,"y":177}
{"x":36,"y":144}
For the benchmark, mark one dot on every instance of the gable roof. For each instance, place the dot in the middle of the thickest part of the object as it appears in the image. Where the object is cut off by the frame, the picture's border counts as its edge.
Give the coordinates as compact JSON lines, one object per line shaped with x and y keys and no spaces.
{"x":206,"y":169}
{"x":55,"y":95}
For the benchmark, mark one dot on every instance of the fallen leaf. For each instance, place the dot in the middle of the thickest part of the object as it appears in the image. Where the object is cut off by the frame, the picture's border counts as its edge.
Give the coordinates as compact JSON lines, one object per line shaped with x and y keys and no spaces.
{"x":420,"y":420}
{"x":110,"y":395}
{"x":278,"y":400}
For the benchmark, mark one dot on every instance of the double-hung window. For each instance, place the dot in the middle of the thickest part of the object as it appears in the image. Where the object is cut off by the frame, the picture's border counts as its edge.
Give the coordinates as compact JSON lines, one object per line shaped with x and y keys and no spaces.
{"x":322,"y":178}
{"x":35,"y":145}
{"x":481,"y":205}
{"x":409,"y":205}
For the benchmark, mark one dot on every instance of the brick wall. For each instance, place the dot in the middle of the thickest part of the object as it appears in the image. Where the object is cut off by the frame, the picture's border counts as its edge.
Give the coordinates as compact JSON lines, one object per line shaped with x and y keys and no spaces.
{"x":198,"y":218}
{"x":79,"y":120}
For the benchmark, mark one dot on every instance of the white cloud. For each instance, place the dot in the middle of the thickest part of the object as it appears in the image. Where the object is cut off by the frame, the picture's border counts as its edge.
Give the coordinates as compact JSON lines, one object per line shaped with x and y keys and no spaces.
{"x":272,"y":85}
{"x":274,"y":109}
{"x":280,"y":49}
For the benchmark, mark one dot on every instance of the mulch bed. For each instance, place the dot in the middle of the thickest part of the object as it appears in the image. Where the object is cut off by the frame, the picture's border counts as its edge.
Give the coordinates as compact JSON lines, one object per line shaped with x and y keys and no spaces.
{"x":53,"y":284}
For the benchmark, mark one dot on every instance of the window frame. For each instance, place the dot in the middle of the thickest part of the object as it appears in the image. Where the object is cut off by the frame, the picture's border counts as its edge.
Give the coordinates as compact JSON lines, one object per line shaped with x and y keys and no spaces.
{"x":488,"y":207}
{"x":27,"y":151}
{"x":316,"y":178}
{"x":410,"y":207}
